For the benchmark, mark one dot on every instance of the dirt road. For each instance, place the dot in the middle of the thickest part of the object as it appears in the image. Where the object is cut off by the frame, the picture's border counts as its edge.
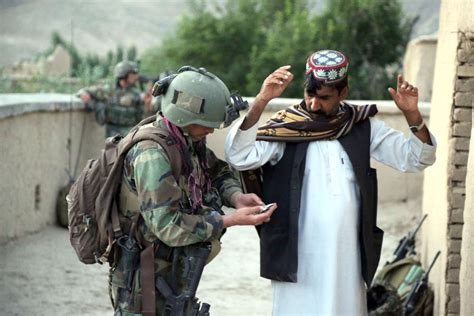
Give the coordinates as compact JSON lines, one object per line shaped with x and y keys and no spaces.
{"x":41,"y":275}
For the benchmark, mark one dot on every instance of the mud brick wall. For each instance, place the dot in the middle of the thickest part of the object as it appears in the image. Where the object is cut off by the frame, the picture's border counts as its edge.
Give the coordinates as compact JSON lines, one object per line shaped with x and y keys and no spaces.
{"x":461,"y":132}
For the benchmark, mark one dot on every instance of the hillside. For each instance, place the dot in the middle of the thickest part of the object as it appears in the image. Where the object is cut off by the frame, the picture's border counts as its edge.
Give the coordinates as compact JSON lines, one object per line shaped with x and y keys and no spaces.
{"x":101,"y":25}
{"x":97,"y":26}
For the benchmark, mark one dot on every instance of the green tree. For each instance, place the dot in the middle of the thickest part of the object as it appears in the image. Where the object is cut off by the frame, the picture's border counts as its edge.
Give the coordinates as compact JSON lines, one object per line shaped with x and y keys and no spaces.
{"x":119,"y":54}
{"x":281,"y":47}
{"x":374,"y":34}
{"x":219,"y":39}
{"x":242,"y":41}
{"x":132,"y":53}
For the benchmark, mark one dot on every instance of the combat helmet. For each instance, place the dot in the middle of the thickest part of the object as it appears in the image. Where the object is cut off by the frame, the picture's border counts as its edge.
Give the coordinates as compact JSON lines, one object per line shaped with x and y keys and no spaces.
{"x":125,"y":67}
{"x":196,"y":96}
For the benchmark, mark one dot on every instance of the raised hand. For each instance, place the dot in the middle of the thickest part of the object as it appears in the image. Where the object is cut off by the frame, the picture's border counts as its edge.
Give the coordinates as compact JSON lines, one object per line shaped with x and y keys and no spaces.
{"x":406,"y":96}
{"x":274,"y":85}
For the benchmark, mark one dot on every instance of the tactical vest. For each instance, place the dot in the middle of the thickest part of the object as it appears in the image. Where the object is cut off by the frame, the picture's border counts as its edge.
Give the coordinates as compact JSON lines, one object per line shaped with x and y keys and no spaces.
{"x":279,"y":237}
{"x":125,"y":108}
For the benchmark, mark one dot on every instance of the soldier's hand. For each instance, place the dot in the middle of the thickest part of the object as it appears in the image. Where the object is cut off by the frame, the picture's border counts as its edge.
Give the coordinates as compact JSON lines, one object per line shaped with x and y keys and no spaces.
{"x":240,"y":200}
{"x":248,"y":216}
{"x":85,"y":97}
{"x":147,"y":101}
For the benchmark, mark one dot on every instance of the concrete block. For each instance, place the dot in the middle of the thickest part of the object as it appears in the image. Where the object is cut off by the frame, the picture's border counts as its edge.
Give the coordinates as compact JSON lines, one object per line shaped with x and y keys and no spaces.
{"x":462,"y":114}
{"x":456,"y":215}
{"x":454,"y":305}
{"x":459,"y":190}
{"x":460,"y":158}
{"x":460,"y":143}
{"x":462,"y":129}
{"x":465,"y":85}
{"x":459,"y":174}
{"x":456,"y":200}
{"x":465,"y":71}
{"x":455,"y":231}
{"x":454,"y":261}
{"x":463,"y":99}
{"x":465,"y":56}
{"x":454,"y":245}
{"x":452,"y":290}
{"x":453,"y":276}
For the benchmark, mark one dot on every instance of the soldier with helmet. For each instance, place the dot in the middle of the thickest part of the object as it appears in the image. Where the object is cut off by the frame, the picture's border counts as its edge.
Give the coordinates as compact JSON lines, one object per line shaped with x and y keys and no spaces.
{"x":178,"y":216}
{"x":123,"y":106}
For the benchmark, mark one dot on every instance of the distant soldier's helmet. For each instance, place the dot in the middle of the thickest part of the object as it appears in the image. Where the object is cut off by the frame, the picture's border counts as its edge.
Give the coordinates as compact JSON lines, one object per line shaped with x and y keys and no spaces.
{"x":123,"y":68}
{"x":196,"y":96}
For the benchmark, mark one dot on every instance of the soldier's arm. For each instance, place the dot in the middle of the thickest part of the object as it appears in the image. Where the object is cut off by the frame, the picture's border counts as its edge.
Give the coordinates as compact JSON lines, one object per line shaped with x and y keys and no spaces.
{"x":224,"y":179}
{"x":159,"y":199}
{"x":95,"y":99}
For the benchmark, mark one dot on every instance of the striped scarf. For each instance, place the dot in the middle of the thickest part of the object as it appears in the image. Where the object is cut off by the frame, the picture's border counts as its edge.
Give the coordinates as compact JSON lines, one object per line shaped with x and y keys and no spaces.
{"x":296,"y":124}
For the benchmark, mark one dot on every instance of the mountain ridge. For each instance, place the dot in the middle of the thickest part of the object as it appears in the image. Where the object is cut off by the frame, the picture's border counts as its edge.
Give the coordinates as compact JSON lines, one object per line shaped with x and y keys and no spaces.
{"x":99,"y":26}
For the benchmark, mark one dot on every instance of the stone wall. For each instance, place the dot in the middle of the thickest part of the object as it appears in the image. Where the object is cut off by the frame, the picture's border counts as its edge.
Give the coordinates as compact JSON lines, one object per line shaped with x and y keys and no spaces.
{"x":461,"y":212}
{"x":445,"y":183}
{"x":461,"y":134}
{"x":41,"y":141}
{"x":466,"y":272}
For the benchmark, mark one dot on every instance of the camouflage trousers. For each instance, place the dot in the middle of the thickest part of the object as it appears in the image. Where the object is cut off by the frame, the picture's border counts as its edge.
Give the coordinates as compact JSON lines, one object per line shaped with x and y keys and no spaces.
{"x":127,"y":298}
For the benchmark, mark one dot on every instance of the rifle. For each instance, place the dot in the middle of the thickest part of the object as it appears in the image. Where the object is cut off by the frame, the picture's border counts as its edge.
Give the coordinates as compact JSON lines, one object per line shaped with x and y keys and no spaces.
{"x":186,"y":304}
{"x":418,"y":289}
{"x":406,"y":245}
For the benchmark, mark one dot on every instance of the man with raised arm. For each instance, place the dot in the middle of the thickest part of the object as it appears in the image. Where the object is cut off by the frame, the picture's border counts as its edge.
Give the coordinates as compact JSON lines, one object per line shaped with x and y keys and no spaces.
{"x":321,"y":249}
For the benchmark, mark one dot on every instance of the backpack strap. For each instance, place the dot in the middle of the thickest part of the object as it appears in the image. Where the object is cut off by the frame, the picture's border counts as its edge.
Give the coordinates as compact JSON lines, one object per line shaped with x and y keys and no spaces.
{"x":137,"y":134}
{"x":162,"y":137}
{"x":386,"y":270}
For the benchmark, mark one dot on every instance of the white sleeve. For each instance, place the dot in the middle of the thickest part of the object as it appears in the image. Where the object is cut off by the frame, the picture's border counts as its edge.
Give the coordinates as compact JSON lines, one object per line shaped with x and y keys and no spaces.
{"x":244,"y":152}
{"x":391,"y":148}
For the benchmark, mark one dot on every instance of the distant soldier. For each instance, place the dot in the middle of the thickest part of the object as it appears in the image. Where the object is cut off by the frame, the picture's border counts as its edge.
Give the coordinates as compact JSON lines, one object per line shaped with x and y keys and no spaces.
{"x":121,"y":107}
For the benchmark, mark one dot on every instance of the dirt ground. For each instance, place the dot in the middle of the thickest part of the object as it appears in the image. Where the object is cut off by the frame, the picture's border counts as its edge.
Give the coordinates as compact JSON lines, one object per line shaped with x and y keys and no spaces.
{"x":41,"y":275}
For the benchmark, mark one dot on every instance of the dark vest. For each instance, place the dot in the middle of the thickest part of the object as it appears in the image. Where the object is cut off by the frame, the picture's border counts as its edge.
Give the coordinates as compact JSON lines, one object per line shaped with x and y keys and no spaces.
{"x":282,"y":184}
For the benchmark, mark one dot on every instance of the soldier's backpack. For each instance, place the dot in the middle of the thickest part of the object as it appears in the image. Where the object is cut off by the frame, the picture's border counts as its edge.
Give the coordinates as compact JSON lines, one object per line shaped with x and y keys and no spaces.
{"x":399,"y":279}
{"x":93,"y":218}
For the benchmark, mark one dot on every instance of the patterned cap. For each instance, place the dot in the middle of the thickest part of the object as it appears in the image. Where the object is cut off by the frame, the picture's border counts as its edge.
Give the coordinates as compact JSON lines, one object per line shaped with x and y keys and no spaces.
{"x":327,"y":65}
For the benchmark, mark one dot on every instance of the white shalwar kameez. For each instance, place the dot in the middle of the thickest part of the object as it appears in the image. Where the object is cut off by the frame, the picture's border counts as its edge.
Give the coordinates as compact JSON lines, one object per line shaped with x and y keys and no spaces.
{"x":329,"y":270}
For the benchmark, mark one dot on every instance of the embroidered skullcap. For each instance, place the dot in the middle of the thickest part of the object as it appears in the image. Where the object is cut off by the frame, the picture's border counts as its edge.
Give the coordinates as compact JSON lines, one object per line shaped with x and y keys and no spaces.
{"x":327,"y":66}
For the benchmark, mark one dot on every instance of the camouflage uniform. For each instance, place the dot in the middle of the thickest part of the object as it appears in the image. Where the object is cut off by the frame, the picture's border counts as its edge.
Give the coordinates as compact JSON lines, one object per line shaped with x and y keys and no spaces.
{"x":149,"y":188}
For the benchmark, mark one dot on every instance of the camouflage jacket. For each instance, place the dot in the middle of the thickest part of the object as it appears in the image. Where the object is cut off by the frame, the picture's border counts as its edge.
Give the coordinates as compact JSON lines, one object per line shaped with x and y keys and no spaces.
{"x":149,"y":187}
